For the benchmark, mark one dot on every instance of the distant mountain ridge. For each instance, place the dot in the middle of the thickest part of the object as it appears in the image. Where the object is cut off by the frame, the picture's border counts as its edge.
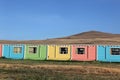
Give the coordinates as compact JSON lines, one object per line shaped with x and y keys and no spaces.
{"x":90,"y":37}
{"x":92,"y":34}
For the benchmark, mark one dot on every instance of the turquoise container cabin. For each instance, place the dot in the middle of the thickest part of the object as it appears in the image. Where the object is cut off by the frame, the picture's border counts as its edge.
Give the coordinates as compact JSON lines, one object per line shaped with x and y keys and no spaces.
{"x":13,"y":51}
{"x":107,"y":53}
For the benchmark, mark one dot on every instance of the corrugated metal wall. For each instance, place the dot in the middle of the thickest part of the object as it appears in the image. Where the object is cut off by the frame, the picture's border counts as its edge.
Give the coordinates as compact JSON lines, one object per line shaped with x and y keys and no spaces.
{"x":41,"y":53}
{"x":89,"y":53}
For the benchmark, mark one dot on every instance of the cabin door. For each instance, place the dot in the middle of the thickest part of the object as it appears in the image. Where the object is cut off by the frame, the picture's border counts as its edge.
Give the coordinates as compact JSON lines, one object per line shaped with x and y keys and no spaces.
{"x":51,"y":52}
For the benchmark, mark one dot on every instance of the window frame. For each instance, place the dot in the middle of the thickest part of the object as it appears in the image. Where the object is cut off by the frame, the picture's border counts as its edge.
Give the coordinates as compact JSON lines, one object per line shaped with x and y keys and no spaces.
{"x":17,"y":50}
{"x":32,"y":51}
{"x":65,"y":50}
{"x":78,"y":52}
{"x":113,"y":52}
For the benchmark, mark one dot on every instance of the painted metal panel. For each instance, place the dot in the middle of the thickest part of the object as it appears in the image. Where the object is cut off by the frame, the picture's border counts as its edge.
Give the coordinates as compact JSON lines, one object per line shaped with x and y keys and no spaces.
{"x":39,"y":55}
{"x":0,"y":50}
{"x":6,"y":51}
{"x":89,"y":54}
{"x":51,"y":52}
{"x":43,"y":52}
{"x":60,"y":56}
{"x":92,"y":53}
{"x":101,"y":53}
{"x":28,"y":55}
{"x":76,"y":56}
{"x":54,"y":52}
{"x":16,"y":55}
{"x":109,"y":56}
{"x":104,"y":54}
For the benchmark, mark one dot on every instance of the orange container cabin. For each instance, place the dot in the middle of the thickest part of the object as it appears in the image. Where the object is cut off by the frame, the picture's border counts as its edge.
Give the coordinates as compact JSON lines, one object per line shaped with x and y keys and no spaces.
{"x":83,"y":52}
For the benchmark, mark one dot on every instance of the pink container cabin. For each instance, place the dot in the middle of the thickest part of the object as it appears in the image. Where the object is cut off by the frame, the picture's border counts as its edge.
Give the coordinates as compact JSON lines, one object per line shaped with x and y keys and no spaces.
{"x":83,"y":53}
{"x":0,"y":50}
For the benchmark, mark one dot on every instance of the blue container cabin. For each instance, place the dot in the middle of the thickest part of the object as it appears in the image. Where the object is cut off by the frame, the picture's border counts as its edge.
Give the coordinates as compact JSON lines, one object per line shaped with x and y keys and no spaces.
{"x":13,"y":51}
{"x":108,"y":53}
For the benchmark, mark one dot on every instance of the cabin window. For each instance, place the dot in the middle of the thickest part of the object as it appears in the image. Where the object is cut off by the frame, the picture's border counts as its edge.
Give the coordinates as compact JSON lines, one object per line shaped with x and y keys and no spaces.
{"x":115,"y":51}
{"x":17,"y":49}
{"x":63,"y":50}
{"x":33,"y":50}
{"x":80,"y":50}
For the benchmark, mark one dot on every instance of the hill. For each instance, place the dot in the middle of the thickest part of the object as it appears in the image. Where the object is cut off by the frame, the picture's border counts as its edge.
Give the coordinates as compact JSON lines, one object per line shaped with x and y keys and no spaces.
{"x":90,"y":37}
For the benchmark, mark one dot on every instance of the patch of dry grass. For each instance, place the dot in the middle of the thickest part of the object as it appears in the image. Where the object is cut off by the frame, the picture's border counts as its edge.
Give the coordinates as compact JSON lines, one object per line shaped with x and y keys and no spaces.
{"x":52,"y":70}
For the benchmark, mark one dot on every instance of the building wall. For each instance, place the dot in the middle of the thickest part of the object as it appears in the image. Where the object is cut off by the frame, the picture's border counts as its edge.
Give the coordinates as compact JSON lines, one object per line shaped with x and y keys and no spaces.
{"x":51,"y":53}
{"x":43,"y":52}
{"x":90,"y":53}
{"x":54,"y":52}
{"x":101,"y":53}
{"x":63,"y":56}
{"x":104,"y":54}
{"x":16,"y":55}
{"x":0,"y":50}
{"x":40,"y":55}
{"x":28,"y":55}
{"x":109,"y":56}
{"x":6,"y":51}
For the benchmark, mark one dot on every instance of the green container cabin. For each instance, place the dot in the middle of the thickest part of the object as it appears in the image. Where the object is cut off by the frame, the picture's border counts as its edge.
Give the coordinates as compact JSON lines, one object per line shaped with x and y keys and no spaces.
{"x":35,"y":52}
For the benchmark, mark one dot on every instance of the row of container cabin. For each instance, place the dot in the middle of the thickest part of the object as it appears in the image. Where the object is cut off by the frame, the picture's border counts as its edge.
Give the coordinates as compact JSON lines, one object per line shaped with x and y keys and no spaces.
{"x":61,"y":52}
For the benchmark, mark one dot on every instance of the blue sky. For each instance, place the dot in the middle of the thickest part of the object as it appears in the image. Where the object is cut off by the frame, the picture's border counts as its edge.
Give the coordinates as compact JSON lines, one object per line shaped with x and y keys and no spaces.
{"x":42,"y":19}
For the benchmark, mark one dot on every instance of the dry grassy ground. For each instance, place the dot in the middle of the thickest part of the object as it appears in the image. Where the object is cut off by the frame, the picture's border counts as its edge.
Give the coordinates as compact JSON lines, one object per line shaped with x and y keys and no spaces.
{"x":57,"y":70}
